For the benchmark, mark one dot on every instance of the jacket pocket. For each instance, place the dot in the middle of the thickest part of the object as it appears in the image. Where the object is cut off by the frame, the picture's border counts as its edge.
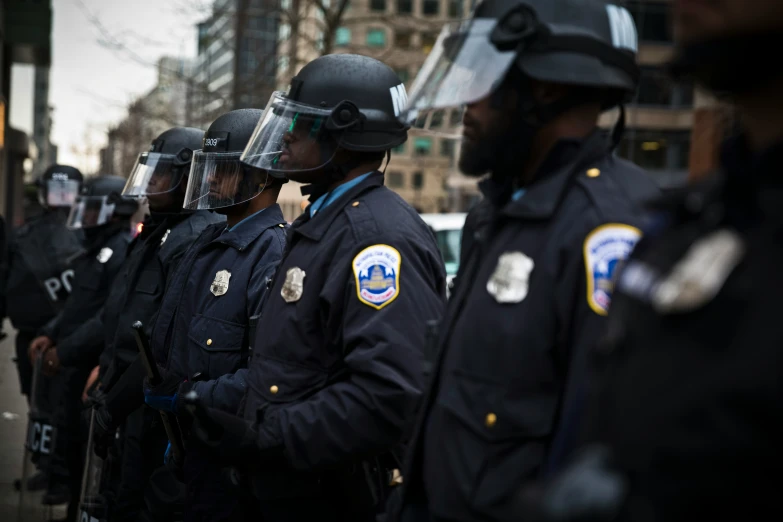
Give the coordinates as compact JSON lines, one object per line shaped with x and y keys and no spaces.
{"x":284,"y":382}
{"x":497,"y":434}
{"x":148,"y":282}
{"x":221,"y":347}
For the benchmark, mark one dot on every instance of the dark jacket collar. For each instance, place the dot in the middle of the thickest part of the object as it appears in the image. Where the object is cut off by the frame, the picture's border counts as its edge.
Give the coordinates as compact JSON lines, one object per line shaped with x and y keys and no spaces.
{"x":314,"y":228}
{"x":552,"y":178}
{"x":250,"y":229}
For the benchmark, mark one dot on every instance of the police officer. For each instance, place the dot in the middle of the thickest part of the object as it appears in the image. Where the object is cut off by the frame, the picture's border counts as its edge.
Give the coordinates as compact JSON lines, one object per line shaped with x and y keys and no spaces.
{"x":160,"y":175}
{"x":208,"y":315}
{"x":559,"y":213}
{"x":39,"y":256}
{"x":75,"y":339}
{"x":686,"y":401}
{"x":336,"y":370}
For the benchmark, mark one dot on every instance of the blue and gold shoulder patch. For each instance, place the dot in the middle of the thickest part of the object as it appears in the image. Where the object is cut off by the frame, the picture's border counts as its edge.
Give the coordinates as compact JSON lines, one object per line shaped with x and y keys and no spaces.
{"x":605,"y":248}
{"x":377,"y":273}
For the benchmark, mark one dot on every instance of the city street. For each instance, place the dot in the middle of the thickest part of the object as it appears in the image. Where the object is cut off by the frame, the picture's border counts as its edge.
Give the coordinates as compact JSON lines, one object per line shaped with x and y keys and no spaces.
{"x":13,"y":425}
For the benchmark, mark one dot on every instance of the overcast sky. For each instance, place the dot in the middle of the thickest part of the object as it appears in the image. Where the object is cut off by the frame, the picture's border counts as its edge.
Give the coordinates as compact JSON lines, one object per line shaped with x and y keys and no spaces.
{"x":94,"y":75}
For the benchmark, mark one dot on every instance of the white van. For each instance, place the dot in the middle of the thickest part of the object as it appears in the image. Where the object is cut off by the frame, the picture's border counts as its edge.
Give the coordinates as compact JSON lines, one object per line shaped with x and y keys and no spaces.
{"x":448,"y":232}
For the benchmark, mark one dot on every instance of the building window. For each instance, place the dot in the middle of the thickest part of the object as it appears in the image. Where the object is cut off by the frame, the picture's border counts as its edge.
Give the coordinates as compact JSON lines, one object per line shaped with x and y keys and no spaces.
{"x":436,"y":120}
{"x":405,"y":6}
{"x":378,"y":5}
{"x":282,"y":64}
{"x":427,"y":42}
{"x":399,"y":149}
{"x":430,"y":7}
{"x":376,"y":37}
{"x":418,"y":181}
{"x":422,"y":146}
{"x":285,"y":31}
{"x":402,"y":39}
{"x":455,"y":118}
{"x":652,"y":20}
{"x":395,"y":180}
{"x":447,"y":148}
{"x":656,"y":150}
{"x":658,"y":89}
{"x":403,"y":74}
{"x":455,"y":8}
{"x":342,"y":36}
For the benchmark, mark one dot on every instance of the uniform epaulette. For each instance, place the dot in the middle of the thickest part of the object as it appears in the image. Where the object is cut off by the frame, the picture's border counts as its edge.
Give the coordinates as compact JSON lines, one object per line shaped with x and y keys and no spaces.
{"x":362,"y":220}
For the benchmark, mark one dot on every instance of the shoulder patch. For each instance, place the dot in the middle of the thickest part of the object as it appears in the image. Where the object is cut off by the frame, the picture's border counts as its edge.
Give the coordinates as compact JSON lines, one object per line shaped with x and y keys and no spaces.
{"x":604,"y":249}
{"x":377,"y":273}
{"x":104,"y":255}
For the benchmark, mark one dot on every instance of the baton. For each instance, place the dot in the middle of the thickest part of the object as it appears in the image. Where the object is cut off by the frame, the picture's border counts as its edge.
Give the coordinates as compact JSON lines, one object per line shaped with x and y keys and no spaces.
{"x":153,"y":376}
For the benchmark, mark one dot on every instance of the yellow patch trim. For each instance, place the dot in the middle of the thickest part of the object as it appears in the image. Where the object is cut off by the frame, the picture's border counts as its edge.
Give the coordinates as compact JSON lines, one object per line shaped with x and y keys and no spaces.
{"x":595,"y":307}
{"x":396,"y":276}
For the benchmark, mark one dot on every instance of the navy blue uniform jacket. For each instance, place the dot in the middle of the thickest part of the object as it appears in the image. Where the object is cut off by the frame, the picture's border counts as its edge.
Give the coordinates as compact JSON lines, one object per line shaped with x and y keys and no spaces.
{"x":205,"y":327}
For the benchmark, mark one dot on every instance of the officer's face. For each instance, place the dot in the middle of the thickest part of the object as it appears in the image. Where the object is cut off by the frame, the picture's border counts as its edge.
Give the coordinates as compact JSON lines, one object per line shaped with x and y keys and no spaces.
{"x":482,"y":124}
{"x":301,"y":156}
{"x":223,"y":181}
{"x":700,"y":20}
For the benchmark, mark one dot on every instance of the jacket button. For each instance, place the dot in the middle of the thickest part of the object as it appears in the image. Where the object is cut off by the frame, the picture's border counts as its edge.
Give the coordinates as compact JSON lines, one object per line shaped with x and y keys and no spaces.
{"x":593,"y":173}
{"x":490,"y":419}
{"x":209,"y":342}
{"x":274,"y":389}
{"x":355,"y":204}
{"x":281,"y":225}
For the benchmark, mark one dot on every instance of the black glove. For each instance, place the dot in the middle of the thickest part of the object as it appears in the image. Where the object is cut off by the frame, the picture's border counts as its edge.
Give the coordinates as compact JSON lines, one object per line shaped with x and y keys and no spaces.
{"x":231,"y":439}
{"x":104,"y":431}
{"x":588,"y":490}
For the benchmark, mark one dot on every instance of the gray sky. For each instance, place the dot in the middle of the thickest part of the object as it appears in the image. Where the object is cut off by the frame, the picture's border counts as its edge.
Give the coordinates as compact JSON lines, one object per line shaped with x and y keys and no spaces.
{"x":93,"y":75}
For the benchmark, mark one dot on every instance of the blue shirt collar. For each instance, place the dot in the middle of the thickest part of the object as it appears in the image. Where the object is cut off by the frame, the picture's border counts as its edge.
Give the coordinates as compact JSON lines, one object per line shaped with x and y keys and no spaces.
{"x":334,"y":194}
{"x":518,"y":193}
{"x":252,"y":227}
{"x":251,"y":216}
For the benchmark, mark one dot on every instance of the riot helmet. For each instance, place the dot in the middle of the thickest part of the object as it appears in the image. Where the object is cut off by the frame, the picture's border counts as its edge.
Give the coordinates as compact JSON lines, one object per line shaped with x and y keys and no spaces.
{"x":218,"y":180}
{"x":59,"y":186}
{"x":100,"y":200}
{"x":588,"y":45}
{"x":336,"y":102}
{"x":160,"y":173}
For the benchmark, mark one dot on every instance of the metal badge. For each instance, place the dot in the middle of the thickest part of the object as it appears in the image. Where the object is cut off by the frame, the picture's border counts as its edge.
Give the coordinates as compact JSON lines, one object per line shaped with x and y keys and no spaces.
{"x":509,"y":281}
{"x":700,"y":275}
{"x":105,"y":254}
{"x":165,"y":236}
{"x":293,"y":285}
{"x":220,"y":284}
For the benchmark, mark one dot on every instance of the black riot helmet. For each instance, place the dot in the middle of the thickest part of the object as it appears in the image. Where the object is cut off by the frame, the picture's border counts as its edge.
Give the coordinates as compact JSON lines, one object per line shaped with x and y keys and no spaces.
{"x":588,"y":43}
{"x":218,"y":180}
{"x":337,"y":101}
{"x":99,"y":201}
{"x":59,"y":186}
{"x":161,"y":170}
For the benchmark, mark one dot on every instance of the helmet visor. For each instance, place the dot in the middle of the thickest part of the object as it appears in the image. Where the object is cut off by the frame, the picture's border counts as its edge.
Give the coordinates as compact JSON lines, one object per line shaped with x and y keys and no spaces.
{"x":463,"y":67}
{"x":61,"y":192}
{"x":219,"y":180}
{"x":290,"y":137}
{"x":90,"y":211}
{"x":153,"y":173}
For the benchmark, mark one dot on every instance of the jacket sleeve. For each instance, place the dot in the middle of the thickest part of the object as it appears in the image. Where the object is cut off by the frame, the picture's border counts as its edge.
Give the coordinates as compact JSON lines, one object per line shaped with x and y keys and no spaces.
{"x":226,"y":392}
{"x":368,"y":411}
{"x":51,"y":328}
{"x":84,"y":346}
{"x":583,"y":299}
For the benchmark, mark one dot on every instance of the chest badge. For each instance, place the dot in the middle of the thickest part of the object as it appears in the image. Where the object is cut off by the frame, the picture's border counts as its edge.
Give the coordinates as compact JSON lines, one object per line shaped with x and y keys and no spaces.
{"x":293,"y":286}
{"x":104,"y":255}
{"x":700,"y":275}
{"x":165,"y":236}
{"x":220,"y":285}
{"x":509,"y":282}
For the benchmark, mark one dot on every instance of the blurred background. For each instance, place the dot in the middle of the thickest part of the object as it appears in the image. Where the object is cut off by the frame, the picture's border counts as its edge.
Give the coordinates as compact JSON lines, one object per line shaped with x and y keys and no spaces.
{"x":91,"y":82}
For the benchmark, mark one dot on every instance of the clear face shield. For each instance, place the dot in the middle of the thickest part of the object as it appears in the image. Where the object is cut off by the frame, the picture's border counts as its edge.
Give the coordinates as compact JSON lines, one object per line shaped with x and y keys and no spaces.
{"x":463,"y":67}
{"x":290,"y":137}
{"x":219,"y":180}
{"x":154,"y":173}
{"x":59,"y":193}
{"x":90,"y":212}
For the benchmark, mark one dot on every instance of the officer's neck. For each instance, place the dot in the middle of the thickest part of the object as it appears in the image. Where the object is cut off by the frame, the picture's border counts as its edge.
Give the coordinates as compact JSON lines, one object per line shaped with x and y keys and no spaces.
{"x":761,"y":112}
{"x":354,"y":173}
{"x":577,"y":123}
{"x":265,"y":199}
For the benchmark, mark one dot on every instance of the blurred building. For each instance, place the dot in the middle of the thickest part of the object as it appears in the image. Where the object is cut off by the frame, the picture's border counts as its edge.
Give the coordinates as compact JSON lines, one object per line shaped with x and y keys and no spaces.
{"x":42,"y":123}
{"x":236,"y":62}
{"x":25,"y":38}
{"x":166,"y":105}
